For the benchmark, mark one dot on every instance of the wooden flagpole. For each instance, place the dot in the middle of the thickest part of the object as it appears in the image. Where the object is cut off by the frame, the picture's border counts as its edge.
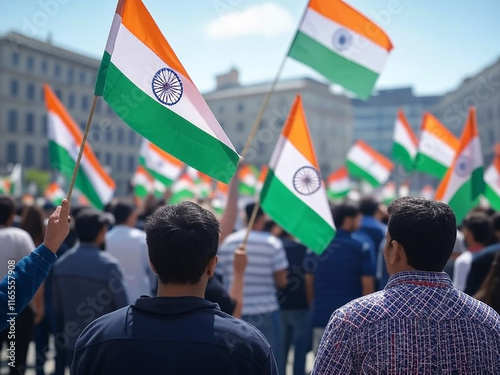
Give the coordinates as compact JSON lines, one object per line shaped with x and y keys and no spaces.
{"x":82,"y":147}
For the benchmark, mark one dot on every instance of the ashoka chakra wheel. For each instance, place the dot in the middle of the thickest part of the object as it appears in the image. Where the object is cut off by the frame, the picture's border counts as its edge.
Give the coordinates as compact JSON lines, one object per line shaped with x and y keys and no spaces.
{"x":306,"y":180}
{"x":167,"y":86}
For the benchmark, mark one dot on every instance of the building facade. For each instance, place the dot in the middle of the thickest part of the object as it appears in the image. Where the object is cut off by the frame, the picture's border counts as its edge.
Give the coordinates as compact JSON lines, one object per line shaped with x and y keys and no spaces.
{"x":329,"y":117}
{"x":482,"y":91}
{"x":25,"y":65}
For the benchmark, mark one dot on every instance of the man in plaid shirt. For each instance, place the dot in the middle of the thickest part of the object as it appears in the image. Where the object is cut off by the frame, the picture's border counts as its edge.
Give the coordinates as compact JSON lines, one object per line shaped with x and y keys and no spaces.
{"x":419,"y":324}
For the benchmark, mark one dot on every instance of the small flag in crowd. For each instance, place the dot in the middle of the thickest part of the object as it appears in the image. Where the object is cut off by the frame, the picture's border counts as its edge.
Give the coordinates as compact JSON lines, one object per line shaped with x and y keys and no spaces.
{"x":65,"y":139}
{"x":341,"y":44}
{"x":54,"y":194}
{"x":202,"y":183}
{"x":142,"y":182}
{"x":248,"y":176}
{"x":367,"y":164}
{"x":492,"y":184}
{"x":293,"y":193}
{"x":463,"y":182}
{"x":338,"y":184}
{"x":16,"y":180}
{"x":388,"y":192}
{"x":262,"y":178}
{"x":183,"y":189}
{"x":405,"y":143}
{"x":436,"y":149}
{"x":159,"y":164}
{"x":427,"y":192}
{"x":4,"y":185}
{"x":168,"y":108}
{"x":219,"y":200}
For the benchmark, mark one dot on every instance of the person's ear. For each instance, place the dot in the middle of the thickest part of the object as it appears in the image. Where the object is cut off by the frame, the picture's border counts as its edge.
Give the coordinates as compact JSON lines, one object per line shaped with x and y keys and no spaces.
{"x":211,"y":266}
{"x":153,"y":268}
{"x":397,"y":253}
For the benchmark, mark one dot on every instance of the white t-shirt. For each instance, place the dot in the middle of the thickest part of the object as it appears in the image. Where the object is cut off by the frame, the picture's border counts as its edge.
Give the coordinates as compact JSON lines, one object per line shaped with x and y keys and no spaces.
{"x":15,"y":244}
{"x":461,"y":270}
{"x":128,"y":245}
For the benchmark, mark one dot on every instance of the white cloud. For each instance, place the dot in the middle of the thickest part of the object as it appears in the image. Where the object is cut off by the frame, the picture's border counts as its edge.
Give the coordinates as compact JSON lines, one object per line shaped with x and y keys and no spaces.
{"x":266,"y":19}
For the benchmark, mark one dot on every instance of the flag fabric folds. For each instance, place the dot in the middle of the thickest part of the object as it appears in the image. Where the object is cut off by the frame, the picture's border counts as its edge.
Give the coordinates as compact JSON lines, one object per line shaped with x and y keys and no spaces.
{"x":341,"y":44}
{"x":338,"y":184}
{"x":143,"y":81}
{"x":436,"y":148}
{"x":463,"y":182}
{"x":293,"y":193}
{"x":65,"y":139}
{"x":405,"y":143}
{"x":364,"y":162}
{"x":159,"y":164}
{"x":183,"y":189}
{"x":142,"y":182}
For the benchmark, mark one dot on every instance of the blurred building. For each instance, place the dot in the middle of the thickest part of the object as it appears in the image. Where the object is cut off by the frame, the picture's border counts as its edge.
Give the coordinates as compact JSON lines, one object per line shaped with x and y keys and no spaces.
{"x":25,"y":65}
{"x":482,"y":91}
{"x":329,"y":116}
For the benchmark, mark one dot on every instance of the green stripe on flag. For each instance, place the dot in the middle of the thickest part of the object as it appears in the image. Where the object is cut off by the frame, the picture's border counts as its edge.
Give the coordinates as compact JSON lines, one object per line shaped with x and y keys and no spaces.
{"x":402,"y":156}
{"x":101,"y":74}
{"x":168,"y":130}
{"x":336,"y":68}
{"x":294,"y":215}
{"x":425,"y":164}
{"x":61,"y":160}
{"x":492,"y":197}
{"x":462,"y":201}
{"x":338,"y":195}
{"x":477,"y":182}
{"x":356,"y":171}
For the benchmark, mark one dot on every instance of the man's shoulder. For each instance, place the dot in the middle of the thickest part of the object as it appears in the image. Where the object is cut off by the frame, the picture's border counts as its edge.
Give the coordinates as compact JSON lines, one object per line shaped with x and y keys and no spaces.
{"x":480,"y":314}
{"x":15,"y":233}
{"x":121,"y":231}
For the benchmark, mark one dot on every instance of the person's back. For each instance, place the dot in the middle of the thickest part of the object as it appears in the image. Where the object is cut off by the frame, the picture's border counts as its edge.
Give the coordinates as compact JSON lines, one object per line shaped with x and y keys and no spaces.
{"x":419,"y":324}
{"x":177,"y":332}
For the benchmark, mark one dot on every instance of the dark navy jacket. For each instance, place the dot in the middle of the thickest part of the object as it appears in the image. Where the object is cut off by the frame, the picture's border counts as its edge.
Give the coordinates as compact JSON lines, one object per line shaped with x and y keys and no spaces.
{"x":171,"y":335}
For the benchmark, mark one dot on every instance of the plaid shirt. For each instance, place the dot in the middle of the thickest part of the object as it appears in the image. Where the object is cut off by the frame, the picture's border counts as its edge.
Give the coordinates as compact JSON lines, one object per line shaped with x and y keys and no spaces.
{"x":419,"y":324}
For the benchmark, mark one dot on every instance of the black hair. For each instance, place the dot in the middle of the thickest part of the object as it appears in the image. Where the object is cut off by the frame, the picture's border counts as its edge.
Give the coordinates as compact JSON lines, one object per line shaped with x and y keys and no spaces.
{"x":479,"y":224}
{"x":121,"y":210}
{"x":368,"y":206}
{"x":344,"y":210}
{"x":426,"y":229}
{"x":7,"y":208}
{"x":87,"y":229}
{"x":181,"y":240}
{"x":249,"y":209}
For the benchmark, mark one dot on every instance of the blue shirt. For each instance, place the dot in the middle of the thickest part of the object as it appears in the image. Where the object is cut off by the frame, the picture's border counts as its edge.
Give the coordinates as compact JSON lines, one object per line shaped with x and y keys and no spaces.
{"x":171,"y":335}
{"x":28,"y":274}
{"x":419,"y":324}
{"x":293,"y":297}
{"x":337,"y":275}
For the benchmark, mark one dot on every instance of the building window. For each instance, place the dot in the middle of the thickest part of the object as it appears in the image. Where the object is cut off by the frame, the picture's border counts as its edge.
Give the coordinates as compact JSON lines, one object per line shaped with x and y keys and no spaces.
{"x":241,"y":107}
{"x":29,"y":156}
{"x":44,"y":125}
{"x":85,"y":103}
{"x":45,"y":157}
{"x":14,"y":87}
{"x":30,"y":92}
{"x":240,"y":126}
{"x":15,"y":58}
{"x":119,"y":163}
{"x":11,"y":152}
{"x":71,"y":75}
{"x":57,"y":71}
{"x":12,"y":121}
{"x":120,"y":136}
{"x":45,"y":66}
{"x":131,"y":138}
{"x":83,"y":77}
{"x":30,"y":63}
{"x":131,"y":164}
{"x":109,"y":136}
{"x":97,"y":155}
{"x":108,"y":159}
{"x":30,"y":123}
{"x":83,"y":124}
{"x":71,"y":100}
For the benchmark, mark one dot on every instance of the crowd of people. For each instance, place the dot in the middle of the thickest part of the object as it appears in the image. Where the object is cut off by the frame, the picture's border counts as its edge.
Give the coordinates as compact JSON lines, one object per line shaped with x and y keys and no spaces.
{"x":172,"y":289}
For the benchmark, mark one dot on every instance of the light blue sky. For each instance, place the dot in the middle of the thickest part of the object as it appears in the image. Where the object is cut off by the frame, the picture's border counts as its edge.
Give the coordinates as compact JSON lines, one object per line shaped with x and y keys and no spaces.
{"x":437,"y":43}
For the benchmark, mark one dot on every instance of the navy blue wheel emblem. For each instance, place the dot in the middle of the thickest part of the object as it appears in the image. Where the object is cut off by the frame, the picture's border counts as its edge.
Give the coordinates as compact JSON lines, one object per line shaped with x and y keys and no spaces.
{"x":341,"y":39}
{"x":306,"y":180}
{"x":463,"y":166}
{"x":167,"y":86}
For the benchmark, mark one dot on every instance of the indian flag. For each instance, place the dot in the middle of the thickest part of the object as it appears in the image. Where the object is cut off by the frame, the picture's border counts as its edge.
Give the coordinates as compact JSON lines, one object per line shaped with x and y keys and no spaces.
{"x":492,"y":186}
{"x":142,"y":182}
{"x":146,"y":85}
{"x":293,"y":193}
{"x":436,"y":149}
{"x":248,"y":176}
{"x":183,"y":189}
{"x":405,"y":143}
{"x":219,"y":200}
{"x":427,"y":192}
{"x":4,"y":185}
{"x":338,"y":184}
{"x":65,"y":139}
{"x":367,"y":164}
{"x":202,"y":182}
{"x":463,"y":182}
{"x":388,"y":192}
{"x":54,"y":193}
{"x":262,"y":178}
{"x":159,"y":164}
{"x":341,"y":44}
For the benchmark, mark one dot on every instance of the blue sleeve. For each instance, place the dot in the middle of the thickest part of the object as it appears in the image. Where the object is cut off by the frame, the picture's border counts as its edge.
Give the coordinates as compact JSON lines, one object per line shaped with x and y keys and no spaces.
{"x":23,"y":282}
